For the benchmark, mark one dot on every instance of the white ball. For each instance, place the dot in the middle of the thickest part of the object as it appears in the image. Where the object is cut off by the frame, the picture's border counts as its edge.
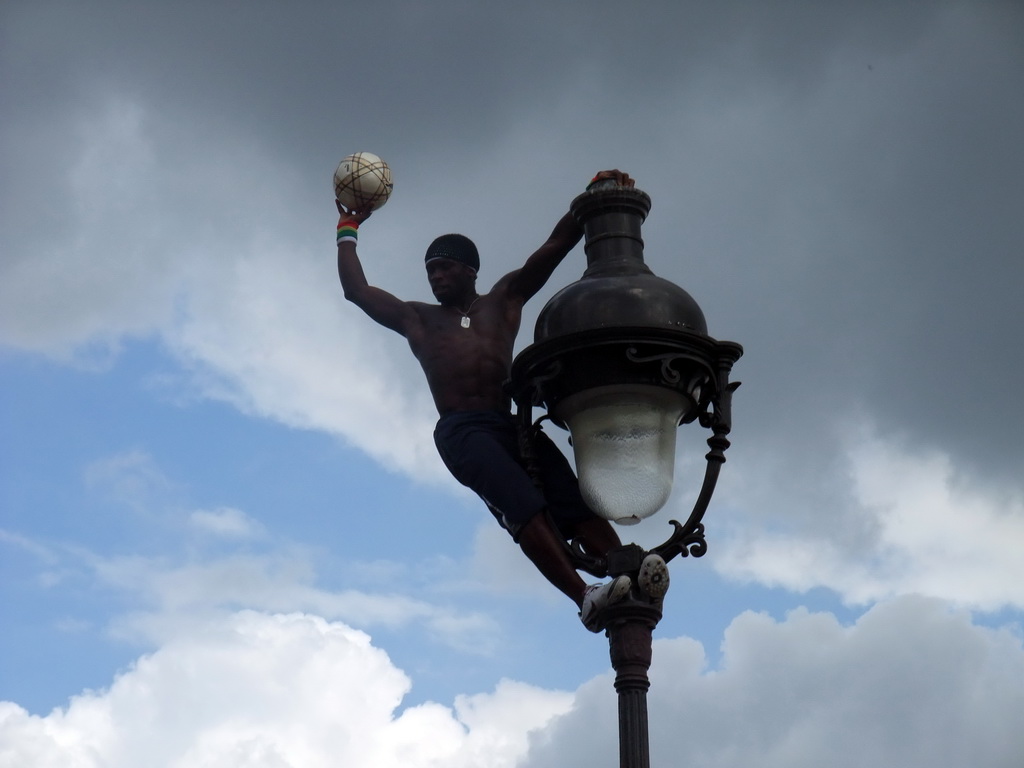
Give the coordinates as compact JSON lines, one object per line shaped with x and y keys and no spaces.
{"x":362,"y":182}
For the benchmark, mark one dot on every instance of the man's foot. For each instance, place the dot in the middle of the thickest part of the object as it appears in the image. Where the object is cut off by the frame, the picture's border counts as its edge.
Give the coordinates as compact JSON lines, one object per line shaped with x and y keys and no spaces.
{"x":653,"y":576}
{"x":600,"y":596}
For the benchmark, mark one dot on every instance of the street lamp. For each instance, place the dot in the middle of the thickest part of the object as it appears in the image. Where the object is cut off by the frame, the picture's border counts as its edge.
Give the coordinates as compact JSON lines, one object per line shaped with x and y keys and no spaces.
{"x":620,"y":358}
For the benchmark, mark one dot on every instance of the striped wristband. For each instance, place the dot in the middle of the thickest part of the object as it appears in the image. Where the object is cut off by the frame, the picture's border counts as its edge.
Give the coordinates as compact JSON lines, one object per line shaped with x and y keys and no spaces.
{"x":348,"y":232}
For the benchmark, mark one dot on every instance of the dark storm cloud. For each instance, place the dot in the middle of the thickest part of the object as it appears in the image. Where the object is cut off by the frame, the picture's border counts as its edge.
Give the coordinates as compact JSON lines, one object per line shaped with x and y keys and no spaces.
{"x":451,"y":73}
{"x":854,"y":224}
{"x":838,"y":184}
{"x":302,"y":74}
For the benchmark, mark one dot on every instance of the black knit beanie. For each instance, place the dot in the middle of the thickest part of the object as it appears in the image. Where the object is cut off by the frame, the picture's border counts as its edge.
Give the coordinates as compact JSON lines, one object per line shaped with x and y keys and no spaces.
{"x":455,"y":247}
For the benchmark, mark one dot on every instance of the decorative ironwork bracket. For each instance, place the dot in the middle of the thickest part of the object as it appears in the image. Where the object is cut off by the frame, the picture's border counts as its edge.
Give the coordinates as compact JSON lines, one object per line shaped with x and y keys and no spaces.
{"x":688,"y":538}
{"x":668,"y":374}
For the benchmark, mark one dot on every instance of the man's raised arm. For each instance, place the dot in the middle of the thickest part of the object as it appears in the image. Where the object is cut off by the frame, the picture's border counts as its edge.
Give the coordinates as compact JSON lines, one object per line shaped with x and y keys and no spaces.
{"x":525,"y":282}
{"x":381,"y":306}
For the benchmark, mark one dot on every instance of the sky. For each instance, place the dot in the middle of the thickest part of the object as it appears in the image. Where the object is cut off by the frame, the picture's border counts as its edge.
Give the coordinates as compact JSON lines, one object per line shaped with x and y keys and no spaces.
{"x":225,"y":535}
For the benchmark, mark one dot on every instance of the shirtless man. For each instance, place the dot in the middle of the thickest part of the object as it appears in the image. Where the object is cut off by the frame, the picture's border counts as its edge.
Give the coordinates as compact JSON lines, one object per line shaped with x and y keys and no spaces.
{"x":464,"y":345}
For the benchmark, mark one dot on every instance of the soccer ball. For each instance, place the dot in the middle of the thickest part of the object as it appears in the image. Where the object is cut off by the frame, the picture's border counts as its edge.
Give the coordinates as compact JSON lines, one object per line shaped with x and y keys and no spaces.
{"x":362,"y":182}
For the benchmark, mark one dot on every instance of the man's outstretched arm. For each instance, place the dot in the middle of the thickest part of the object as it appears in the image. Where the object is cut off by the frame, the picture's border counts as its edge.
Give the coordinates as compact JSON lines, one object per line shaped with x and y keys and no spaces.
{"x":381,"y":306}
{"x":525,"y":282}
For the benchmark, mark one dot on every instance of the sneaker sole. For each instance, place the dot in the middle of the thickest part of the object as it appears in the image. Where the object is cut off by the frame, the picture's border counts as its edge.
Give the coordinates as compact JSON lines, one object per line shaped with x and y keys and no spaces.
{"x":653,"y":578}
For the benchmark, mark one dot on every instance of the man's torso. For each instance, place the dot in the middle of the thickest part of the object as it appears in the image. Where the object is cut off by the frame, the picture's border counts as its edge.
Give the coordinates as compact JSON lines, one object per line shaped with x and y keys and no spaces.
{"x":466,"y":366}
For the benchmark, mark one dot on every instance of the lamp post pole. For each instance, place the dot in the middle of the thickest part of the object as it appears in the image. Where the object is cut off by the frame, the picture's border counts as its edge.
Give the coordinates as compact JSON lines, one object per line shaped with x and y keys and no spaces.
{"x":629,"y":639}
{"x":630,"y":626}
{"x":609,"y":350}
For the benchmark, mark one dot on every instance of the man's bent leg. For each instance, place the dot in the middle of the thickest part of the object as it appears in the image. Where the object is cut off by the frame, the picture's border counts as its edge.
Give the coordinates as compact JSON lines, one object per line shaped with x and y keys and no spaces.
{"x":542,"y":544}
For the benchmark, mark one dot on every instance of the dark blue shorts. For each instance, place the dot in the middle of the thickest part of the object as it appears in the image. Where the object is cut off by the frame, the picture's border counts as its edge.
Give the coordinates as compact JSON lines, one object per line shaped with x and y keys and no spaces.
{"x":481,"y":450}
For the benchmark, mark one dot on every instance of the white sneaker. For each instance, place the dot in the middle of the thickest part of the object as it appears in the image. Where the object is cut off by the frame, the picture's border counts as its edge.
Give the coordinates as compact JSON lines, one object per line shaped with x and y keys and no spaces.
{"x":653,"y":576}
{"x":600,"y":596}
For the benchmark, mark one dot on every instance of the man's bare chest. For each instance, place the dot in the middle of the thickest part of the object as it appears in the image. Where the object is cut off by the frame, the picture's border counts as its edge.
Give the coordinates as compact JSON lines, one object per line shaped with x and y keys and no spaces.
{"x":449,"y":337}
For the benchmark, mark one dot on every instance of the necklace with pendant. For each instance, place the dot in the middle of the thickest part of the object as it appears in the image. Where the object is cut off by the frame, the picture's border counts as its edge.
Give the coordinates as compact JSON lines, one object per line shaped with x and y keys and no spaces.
{"x":465,"y":315}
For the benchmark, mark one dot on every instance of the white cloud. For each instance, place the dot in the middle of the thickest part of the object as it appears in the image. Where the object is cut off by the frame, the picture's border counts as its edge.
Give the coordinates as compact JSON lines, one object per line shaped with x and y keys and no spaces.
{"x":40,"y":552}
{"x":211,"y":244}
{"x":272,"y":691}
{"x":175,"y":597}
{"x":910,"y":684}
{"x":926,"y":531}
{"x":131,"y":478}
{"x":227,"y":522}
{"x":215,"y":560}
{"x":275,"y":339}
{"x":91,"y":272}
